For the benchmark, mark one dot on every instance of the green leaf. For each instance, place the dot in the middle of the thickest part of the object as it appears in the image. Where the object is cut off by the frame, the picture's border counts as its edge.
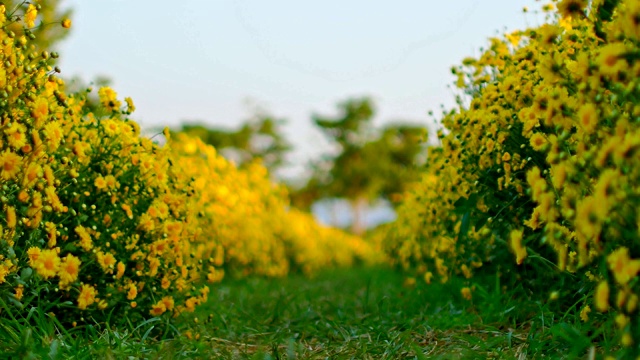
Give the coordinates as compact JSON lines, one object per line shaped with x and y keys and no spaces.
{"x":26,"y":273}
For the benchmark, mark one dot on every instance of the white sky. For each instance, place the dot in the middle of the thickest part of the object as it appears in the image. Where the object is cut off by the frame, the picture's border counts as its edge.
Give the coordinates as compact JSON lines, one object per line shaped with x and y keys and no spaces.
{"x":203,"y":59}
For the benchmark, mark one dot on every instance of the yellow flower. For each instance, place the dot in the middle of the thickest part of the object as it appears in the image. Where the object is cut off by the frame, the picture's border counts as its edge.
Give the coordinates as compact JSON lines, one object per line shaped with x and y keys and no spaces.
{"x":146,"y":222}
{"x":87,"y":296}
{"x":11,"y":217}
{"x":34,"y":254}
{"x":19,"y":292}
{"x":66,"y":23}
{"x":120,"y":270}
{"x":52,"y":198}
{"x":168,"y":302}
{"x":538,"y":142}
{"x":85,"y":239}
{"x":54,"y":134}
{"x":107,"y":261}
{"x":589,"y":218}
{"x":584,"y":313}
{"x":622,"y":320}
{"x":4,"y":271}
{"x":588,"y":118}
{"x":69,"y":270}
{"x":30,"y":16}
{"x":108,"y":98}
{"x":111,"y":182}
{"x":610,"y":60}
{"x":191,"y":304}
{"x":9,"y":164}
{"x":32,"y":174}
{"x":165,"y":283}
{"x":428,"y":276}
{"x":622,"y":266}
{"x":632,"y":303}
{"x":130,"y":106}
{"x":102,"y":304}
{"x":48,"y":263}
{"x":515,"y":240}
{"x":52,"y":234}
{"x":40,"y":111}
{"x":100,"y":183}
{"x":601,"y":300}
{"x":16,"y":136}
{"x":571,"y":7}
{"x":133,"y":292}
{"x":127,"y":210}
{"x":111,"y":127}
{"x":630,"y":23}
{"x":466,"y":293}
{"x":158,"y":308}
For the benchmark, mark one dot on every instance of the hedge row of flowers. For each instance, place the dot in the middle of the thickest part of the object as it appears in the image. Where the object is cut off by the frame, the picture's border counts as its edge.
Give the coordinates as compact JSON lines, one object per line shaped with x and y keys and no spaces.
{"x":537,"y":174}
{"x":98,"y":221}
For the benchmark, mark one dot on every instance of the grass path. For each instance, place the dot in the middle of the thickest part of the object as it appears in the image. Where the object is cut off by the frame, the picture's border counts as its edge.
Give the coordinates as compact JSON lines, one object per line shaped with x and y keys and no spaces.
{"x":358,"y":313}
{"x":362,"y":313}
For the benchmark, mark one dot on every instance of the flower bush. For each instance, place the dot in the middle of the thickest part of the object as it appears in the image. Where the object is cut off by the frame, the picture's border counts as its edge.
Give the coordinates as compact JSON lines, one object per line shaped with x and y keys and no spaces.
{"x":536,"y":176}
{"x":100,"y":223}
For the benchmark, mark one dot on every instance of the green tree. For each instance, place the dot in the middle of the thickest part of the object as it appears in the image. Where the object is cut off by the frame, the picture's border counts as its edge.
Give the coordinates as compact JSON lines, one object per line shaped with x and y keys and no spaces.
{"x":370,"y":164}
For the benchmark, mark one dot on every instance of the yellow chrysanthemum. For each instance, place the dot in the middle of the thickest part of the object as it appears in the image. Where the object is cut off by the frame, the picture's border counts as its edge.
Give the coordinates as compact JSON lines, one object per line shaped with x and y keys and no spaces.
{"x":11,"y":217}
{"x":132,"y":292}
{"x":538,"y":142}
{"x":40,"y":111}
{"x":106,"y":261}
{"x":53,"y":133}
{"x":466,"y":293}
{"x":30,"y":16}
{"x":16,"y":136}
{"x":108,"y":98}
{"x":4,"y":271}
{"x":69,"y":270}
{"x":572,"y":7}
{"x":588,"y":118}
{"x":158,"y":308}
{"x":515,"y":241}
{"x":100,"y":183}
{"x":85,"y":239}
{"x":48,"y":263}
{"x":610,"y":61}
{"x":601,"y":299}
{"x":87,"y":296}
{"x":622,"y":266}
{"x":120,"y":270}
{"x":584,"y":313}
{"x":9,"y":164}
{"x":32,"y":174}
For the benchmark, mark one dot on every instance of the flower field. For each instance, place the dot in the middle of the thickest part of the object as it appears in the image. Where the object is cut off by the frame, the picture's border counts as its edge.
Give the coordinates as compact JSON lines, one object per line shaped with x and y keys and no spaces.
{"x":533,"y":191}
{"x":537,"y":176}
{"x":99,"y":222}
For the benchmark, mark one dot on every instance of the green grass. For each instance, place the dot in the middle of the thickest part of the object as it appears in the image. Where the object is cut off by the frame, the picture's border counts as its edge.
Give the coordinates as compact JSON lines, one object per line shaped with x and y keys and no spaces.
{"x":360,"y":313}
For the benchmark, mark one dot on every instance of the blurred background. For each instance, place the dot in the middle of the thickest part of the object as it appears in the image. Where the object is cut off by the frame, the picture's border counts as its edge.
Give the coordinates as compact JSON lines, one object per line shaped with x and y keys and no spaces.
{"x":333,"y":96}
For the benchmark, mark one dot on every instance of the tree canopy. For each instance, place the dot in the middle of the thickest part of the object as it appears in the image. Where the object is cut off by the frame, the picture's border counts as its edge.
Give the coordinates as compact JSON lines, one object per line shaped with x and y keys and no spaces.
{"x":370,"y":164}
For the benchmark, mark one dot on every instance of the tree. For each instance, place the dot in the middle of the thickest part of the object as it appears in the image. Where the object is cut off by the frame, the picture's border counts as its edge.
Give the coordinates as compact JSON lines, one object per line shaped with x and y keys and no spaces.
{"x":260,"y":137}
{"x":369,"y":165}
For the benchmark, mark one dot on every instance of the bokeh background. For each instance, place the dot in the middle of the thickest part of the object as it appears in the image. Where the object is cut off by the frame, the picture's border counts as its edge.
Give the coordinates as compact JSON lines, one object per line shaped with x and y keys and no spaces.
{"x":218,"y":62}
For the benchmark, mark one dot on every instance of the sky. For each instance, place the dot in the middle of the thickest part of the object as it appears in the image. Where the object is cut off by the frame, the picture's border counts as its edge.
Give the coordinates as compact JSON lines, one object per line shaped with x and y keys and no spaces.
{"x":212,"y":61}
